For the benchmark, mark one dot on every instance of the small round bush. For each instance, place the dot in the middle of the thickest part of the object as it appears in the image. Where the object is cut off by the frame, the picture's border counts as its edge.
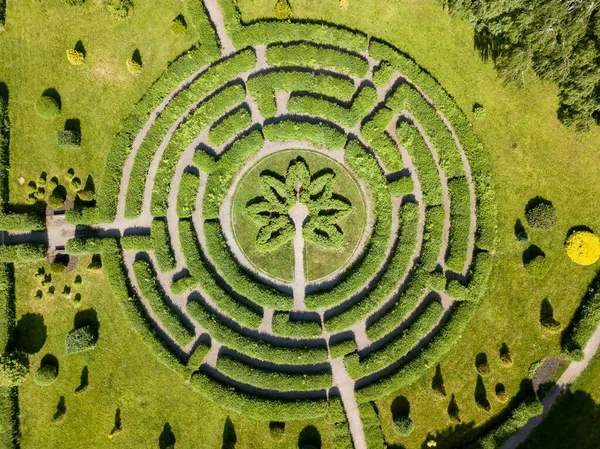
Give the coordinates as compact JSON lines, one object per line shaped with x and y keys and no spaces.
{"x":133,"y":67}
{"x":75,"y":57}
{"x":86,"y":195}
{"x":42,"y":179}
{"x":179,"y":26}
{"x":75,"y":184}
{"x":47,"y":107}
{"x":282,"y":10}
{"x":31,"y":199}
{"x":118,"y":8}
{"x":540,"y":214}
{"x":46,"y":374}
{"x":478,"y":111}
{"x":14,"y":369}
{"x":70,"y":174}
{"x":501,"y":394}
{"x":58,"y":197}
{"x":404,"y":426}
{"x":53,"y":183}
{"x":538,"y":266}
{"x":481,"y":364}
{"x":506,"y":359}
{"x":277,"y":430}
{"x":583,"y":247}
{"x":31,"y":187}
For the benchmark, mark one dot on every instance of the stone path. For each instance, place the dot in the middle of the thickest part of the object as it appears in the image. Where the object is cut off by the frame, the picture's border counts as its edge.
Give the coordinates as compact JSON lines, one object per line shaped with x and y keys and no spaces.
{"x":299,"y":213}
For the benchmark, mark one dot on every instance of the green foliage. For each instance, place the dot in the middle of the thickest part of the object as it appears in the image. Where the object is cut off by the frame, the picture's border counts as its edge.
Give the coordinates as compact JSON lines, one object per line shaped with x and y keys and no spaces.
{"x":282,"y":10}
{"x":23,"y":252}
{"x":81,"y":339}
{"x":188,"y":191}
{"x":232,"y":125}
{"x":310,"y":55}
{"x":374,"y":133}
{"x":460,"y":224}
{"x":118,"y":8}
{"x":201,"y":271}
{"x":46,"y":374}
{"x":320,"y":134}
{"x":133,"y":66}
{"x":478,"y":277}
{"x":538,"y":266}
{"x":404,"y":426}
{"x":277,"y":430}
{"x":47,"y":107}
{"x":161,"y":243}
{"x":179,"y":25}
{"x":540,"y":214}
{"x":283,"y":326}
{"x":341,"y":431}
{"x":256,"y":407}
{"x":432,"y":237}
{"x":75,"y":2}
{"x":382,"y":75}
{"x":68,"y":139}
{"x":399,"y":263}
{"x":396,"y":348}
{"x":342,"y":348}
{"x":371,"y":426}
{"x":181,"y":331}
{"x":58,"y":197}
{"x":482,"y":365}
{"x":271,"y":379}
{"x":402,"y":186}
{"x":14,"y":369}
{"x":257,"y":349}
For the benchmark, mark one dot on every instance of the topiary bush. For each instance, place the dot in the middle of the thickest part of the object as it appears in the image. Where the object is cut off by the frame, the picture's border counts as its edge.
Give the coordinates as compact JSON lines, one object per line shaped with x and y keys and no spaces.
{"x":482,"y":365}
{"x":46,"y":374}
{"x":75,"y":57}
{"x":81,"y":339}
{"x":404,"y":425}
{"x":277,"y":430}
{"x":505,"y":356}
{"x":501,"y":395}
{"x":540,"y":214}
{"x":68,"y":139}
{"x":47,"y":107}
{"x":535,"y":262}
{"x":118,"y":8}
{"x":283,"y":10}
{"x":133,"y":66}
{"x":179,"y":25}
{"x":58,"y":197}
{"x":14,"y":369}
{"x":583,"y":247}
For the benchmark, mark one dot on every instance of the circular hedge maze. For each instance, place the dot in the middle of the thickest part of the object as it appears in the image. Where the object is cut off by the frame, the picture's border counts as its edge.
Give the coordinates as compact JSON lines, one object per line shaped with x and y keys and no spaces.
{"x":303,"y":227}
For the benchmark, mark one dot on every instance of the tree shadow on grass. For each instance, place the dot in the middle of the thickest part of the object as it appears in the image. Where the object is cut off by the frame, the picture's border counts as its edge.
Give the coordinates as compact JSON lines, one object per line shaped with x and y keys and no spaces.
{"x":167,"y":439}
{"x":83,"y":381}
{"x":229,"y":435}
{"x":30,"y":333}
{"x":531,"y":253}
{"x":309,"y":437}
{"x":400,"y":407}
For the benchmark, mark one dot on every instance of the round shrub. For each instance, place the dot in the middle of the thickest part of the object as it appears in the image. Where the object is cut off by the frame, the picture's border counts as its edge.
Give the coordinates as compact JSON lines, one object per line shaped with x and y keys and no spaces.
{"x":481,"y":364}
{"x":42,"y":179}
{"x":53,"y":183}
{"x":179,"y":26}
{"x":282,"y":10}
{"x":46,"y":374}
{"x":86,"y":195}
{"x":540,"y":214}
{"x":404,"y":426}
{"x":501,"y":395}
{"x":538,"y":266}
{"x":277,"y":430}
{"x":70,"y":174}
{"x":47,"y":107}
{"x":505,"y":357}
{"x":133,"y":67}
{"x":583,"y":247}
{"x":75,"y":184}
{"x":118,"y":8}
{"x":58,"y":197}
{"x":75,"y":57}
{"x":31,"y":187}
{"x":31,"y":199}
{"x":478,"y":111}
{"x":14,"y":369}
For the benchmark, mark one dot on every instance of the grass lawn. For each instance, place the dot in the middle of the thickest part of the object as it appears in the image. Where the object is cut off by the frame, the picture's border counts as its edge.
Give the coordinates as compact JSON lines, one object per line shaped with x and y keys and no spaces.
{"x":122,"y":374}
{"x":531,"y":154}
{"x":319,"y":262}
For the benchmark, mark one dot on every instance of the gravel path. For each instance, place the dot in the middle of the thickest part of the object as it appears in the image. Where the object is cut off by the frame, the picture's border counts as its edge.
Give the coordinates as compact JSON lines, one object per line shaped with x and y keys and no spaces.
{"x":299,"y":213}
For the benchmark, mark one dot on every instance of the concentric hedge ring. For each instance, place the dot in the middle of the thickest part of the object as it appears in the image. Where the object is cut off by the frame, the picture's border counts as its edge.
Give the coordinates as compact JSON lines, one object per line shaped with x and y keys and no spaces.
{"x":414,"y":284}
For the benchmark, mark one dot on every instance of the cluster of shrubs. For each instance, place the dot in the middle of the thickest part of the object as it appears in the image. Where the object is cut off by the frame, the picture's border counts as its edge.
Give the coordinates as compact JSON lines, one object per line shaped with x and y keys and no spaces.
{"x":45,"y":277}
{"x":55,"y":193}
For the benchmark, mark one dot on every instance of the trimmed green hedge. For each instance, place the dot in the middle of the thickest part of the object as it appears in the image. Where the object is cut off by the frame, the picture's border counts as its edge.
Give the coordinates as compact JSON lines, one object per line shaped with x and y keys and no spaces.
{"x":151,"y":291}
{"x":342,"y":348}
{"x":81,"y":339}
{"x":307,"y":54}
{"x":106,"y":199}
{"x":518,"y":418}
{"x":584,"y":322}
{"x":375,"y":134}
{"x":236,"y":276}
{"x":397,"y":347}
{"x":197,"y":16}
{"x":223,"y":171}
{"x":256,"y":407}
{"x":205,"y":114}
{"x":406,"y":97}
{"x":112,"y":263}
{"x":478,"y":278}
{"x":188,"y":191}
{"x":320,"y":134}
{"x":367,"y":169}
{"x":268,"y":31}
{"x":161,"y":242}
{"x":284,"y":327}
{"x":460,"y":224}
{"x":399,"y":263}
{"x":371,"y":426}
{"x":263,"y":86}
{"x":137,"y":243}
{"x":183,"y":285}
{"x":261,"y":350}
{"x":202,"y":273}
{"x":9,"y":426}
{"x":427,"y":172}
{"x":23,"y":252}
{"x":432,"y":237}
{"x":402,"y":186}
{"x":273,"y":380}
{"x":197,"y":357}
{"x":7,"y":305}
{"x":342,"y":438}
{"x":382,"y":74}
{"x":232,"y":125}
{"x":362,"y":103}
{"x":478,"y":160}
{"x":431,"y":354}
{"x":212,"y":78}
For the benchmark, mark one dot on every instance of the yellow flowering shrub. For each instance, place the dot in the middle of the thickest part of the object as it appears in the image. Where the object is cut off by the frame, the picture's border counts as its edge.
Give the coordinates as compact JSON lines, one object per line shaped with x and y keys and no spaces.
{"x":75,"y":57}
{"x":583,"y":247}
{"x":133,"y":67}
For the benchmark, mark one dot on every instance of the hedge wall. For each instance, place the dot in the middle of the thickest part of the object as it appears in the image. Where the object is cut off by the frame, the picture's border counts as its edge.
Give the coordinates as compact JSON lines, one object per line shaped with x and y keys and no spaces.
{"x":342,"y":438}
{"x":23,"y":252}
{"x":273,"y":380}
{"x":263,"y":86}
{"x":478,"y":277}
{"x":106,"y":199}
{"x":210,"y":80}
{"x":202,"y":273}
{"x":399,"y":263}
{"x":375,"y":134}
{"x":197,"y":16}
{"x":147,"y":281}
{"x":256,"y":407}
{"x":7,"y":305}
{"x":231,"y":125}
{"x":432,"y":237}
{"x":367,"y":169}
{"x":351,"y":116}
{"x":284,"y":327}
{"x":342,"y":348}
{"x":161,"y":242}
{"x":460,"y":224}
{"x":257,"y":349}
{"x":186,"y":197}
{"x":397,"y":347}
{"x":307,"y":54}
{"x":371,"y":426}
{"x":320,"y":134}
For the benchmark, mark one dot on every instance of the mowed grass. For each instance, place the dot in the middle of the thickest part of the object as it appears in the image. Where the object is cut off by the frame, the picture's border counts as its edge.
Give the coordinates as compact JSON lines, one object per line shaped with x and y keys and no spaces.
{"x":123,"y":374}
{"x":531,"y":154}
{"x":100,"y":93}
{"x":318,"y":262}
